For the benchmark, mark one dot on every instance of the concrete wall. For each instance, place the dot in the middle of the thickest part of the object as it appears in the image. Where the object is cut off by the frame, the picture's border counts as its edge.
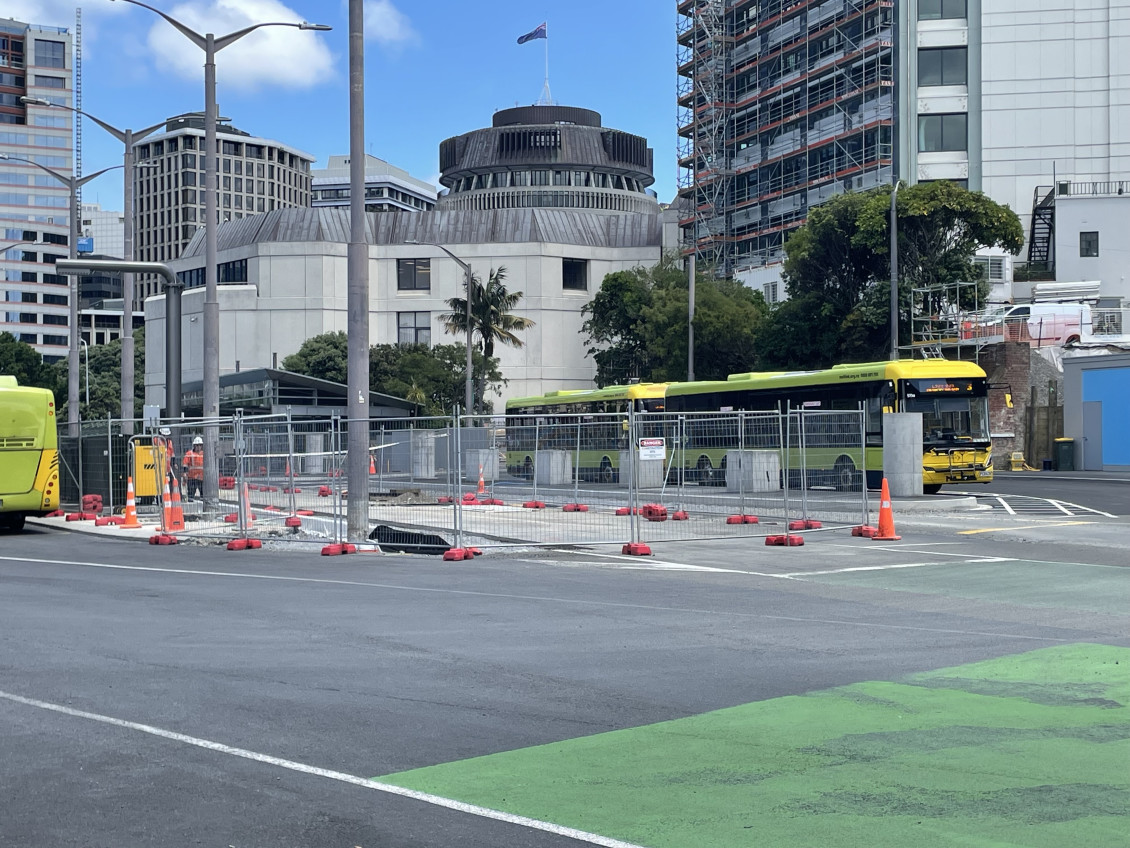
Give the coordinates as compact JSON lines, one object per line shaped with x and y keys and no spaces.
{"x":299,"y":290}
{"x":1110,"y":218}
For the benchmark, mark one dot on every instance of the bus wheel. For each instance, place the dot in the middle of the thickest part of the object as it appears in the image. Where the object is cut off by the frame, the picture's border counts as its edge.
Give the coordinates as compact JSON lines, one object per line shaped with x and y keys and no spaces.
{"x":932,"y":488}
{"x":705,"y":471}
{"x":845,"y":475}
{"x":13,"y":521}
{"x":607,"y":474}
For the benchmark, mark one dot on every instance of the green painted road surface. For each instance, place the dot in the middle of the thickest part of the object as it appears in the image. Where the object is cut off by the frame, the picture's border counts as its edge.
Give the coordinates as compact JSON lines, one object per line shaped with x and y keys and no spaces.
{"x":1026,"y":750}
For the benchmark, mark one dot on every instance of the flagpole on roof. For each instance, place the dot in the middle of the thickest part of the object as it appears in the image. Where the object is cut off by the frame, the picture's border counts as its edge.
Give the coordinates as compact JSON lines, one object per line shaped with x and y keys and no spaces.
{"x":546,"y":97}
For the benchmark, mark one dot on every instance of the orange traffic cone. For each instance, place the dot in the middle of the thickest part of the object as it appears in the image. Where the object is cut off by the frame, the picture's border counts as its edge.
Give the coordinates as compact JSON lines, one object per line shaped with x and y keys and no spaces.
{"x":886,"y":517}
{"x":482,"y":486}
{"x":176,"y":514}
{"x":166,"y":508}
{"x":372,"y":465}
{"x":131,"y":522}
{"x":245,"y":508}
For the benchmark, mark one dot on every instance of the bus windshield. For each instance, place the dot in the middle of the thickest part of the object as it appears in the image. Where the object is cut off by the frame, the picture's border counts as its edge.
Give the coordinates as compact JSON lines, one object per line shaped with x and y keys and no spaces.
{"x":952,"y":411}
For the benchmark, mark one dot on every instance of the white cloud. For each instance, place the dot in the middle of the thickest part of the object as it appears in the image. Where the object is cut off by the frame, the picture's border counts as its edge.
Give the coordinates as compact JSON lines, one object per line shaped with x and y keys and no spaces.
{"x":275,"y":57}
{"x":60,"y":13}
{"x":386,"y":24}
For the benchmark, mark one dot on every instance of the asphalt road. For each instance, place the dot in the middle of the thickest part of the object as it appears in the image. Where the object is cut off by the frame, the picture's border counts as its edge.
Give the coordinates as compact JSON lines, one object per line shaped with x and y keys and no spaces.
{"x":184,"y":696}
{"x":1108,"y":492}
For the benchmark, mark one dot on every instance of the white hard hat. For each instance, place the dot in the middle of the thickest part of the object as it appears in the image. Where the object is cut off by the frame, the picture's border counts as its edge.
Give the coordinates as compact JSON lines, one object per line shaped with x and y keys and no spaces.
{"x":198,"y":441}
{"x":165,"y":431}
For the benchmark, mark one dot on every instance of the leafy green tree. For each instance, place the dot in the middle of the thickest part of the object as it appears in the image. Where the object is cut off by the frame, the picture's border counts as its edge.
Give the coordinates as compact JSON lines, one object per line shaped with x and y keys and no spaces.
{"x":325,"y":356}
{"x":433,"y":377}
{"x":105,"y":370}
{"x":837,"y":269}
{"x":20,"y":360}
{"x":637,"y":325}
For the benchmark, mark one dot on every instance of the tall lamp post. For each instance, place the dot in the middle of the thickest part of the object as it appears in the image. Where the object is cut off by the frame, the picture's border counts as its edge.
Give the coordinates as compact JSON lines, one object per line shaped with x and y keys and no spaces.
{"x":126,"y":137}
{"x":73,"y":184}
{"x":469,"y":392}
{"x":210,"y":44}
{"x":895,"y":272}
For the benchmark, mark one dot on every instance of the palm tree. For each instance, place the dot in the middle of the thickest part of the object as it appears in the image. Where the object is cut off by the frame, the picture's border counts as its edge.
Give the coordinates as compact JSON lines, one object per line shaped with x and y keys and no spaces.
{"x":491,"y":317}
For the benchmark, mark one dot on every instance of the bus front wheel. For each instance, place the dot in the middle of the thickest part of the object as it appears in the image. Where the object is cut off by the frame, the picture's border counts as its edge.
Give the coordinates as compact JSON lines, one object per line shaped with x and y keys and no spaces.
{"x":607,"y":474}
{"x":704,"y":471}
{"x":932,"y":488}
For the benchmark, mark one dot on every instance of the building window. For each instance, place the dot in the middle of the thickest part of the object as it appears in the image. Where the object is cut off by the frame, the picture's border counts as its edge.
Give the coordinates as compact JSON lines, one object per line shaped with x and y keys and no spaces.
{"x":575,"y":274}
{"x":50,"y":82}
{"x":1089,"y":244}
{"x":50,"y":54}
{"x":414,"y":328}
{"x":54,"y":340}
{"x":943,"y":66}
{"x":938,"y":133}
{"x":414,"y":275}
{"x":934,"y":10}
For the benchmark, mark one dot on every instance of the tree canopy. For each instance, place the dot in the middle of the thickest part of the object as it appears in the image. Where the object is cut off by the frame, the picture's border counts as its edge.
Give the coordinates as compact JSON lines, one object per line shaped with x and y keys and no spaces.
{"x":20,"y":360}
{"x":636,"y":325}
{"x":837,"y":269}
{"x":433,"y":377}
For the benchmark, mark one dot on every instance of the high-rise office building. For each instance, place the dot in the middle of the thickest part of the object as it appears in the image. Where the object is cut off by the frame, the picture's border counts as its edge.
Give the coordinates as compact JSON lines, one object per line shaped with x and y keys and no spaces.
{"x":787,"y":103}
{"x":254,"y":175}
{"x":35,"y":61}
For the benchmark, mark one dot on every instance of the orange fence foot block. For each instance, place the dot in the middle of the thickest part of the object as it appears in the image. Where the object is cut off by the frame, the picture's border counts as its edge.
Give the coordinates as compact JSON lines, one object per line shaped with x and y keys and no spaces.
{"x":805,"y":524}
{"x":636,"y":549}
{"x":575,"y":507}
{"x":784,"y":541}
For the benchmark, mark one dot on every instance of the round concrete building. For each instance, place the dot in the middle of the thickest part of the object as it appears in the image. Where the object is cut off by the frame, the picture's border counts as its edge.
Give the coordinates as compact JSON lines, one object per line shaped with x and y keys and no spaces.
{"x":547,"y":156}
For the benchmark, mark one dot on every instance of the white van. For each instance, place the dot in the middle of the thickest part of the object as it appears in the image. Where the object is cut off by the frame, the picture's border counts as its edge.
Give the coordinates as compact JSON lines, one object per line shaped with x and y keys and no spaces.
{"x":1039,"y":324}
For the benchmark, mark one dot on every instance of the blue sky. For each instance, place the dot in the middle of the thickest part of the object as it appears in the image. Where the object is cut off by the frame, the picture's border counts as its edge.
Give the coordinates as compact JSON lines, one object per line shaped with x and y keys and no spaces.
{"x":434,"y":69}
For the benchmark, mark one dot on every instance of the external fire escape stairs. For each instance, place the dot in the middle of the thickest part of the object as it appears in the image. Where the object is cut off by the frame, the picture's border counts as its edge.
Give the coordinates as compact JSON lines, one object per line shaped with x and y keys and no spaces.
{"x":1041,"y":236}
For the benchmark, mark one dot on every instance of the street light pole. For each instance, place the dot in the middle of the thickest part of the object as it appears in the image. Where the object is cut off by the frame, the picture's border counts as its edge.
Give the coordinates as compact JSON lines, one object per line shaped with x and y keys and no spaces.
{"x":127,"y":137}
{"x":210,"y":44}
{"x":86,"y":351}
{"x":895,"y":272}
{"x":469,"y":392}
{"x":72,"y":349}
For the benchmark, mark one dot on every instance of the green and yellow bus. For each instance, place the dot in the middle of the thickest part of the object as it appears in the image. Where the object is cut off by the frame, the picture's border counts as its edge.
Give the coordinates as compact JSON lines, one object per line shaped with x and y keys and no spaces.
{"x":29,"y":453}
{"x":951,"y":395}
{"x":549,"y":422}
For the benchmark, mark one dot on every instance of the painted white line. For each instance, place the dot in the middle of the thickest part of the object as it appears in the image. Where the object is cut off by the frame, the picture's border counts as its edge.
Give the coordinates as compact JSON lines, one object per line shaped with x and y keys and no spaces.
{"x":660,"y":564}
{"x":1006,"y":506}
{"x":583,"y":602}
{"x":341,"y":777}
{"x":1060,"y":506}
{"x":801,"y":574}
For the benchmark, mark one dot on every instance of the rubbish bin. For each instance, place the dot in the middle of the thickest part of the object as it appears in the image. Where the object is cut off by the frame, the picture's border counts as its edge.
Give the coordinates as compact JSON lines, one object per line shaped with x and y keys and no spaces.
{"x":1064,"y":454}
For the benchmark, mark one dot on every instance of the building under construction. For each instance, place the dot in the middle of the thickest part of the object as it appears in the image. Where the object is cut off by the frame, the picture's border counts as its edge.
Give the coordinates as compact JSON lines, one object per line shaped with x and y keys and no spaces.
{"x":783,"y":104}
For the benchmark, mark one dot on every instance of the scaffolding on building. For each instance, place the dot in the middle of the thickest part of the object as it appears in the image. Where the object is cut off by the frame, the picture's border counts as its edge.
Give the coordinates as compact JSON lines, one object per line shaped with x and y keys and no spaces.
{"x":948,"y":321}
{"x":783,"y":104}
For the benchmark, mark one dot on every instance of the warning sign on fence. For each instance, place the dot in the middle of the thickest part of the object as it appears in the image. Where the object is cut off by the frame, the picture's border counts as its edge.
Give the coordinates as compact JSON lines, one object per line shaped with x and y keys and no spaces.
{"x":653,"y":448}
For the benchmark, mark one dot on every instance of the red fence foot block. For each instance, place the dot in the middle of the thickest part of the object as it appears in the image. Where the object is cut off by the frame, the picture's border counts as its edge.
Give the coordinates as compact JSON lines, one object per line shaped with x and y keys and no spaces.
{"x":636,"y":549}
{"x":293,"y":521}
{"x":627,"y":510}
{"x":785,"y":541}
{"x":306,"y":512}
{"x":324,"y":491}
{"x":865,"y":530}
{"x":534,"y":505}
{"x":445,"y":499}
{"x":805,"y":524}
{"x":237,"y":545}
{"x":231,"y":518}
{"x":292,"y":491}
{"x":680,"y":515}
{"x":743,"y":519}
{"x":493,"y":502}
{"x":348,"y":549}
{"x":575,"y":507}
{"x":162,"y":539}
{"x":332,"y":550}
{"x":457,"y":555}
{"x":654,"y":512}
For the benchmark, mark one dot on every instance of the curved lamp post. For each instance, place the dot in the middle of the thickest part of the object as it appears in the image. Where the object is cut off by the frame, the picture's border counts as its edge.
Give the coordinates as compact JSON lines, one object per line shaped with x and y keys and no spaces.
{"x":73,"y":184}
{"x":469,"y":392}
{"x":895,"y":272}
{"x":211,"y":44}
{"x":127,"y":138}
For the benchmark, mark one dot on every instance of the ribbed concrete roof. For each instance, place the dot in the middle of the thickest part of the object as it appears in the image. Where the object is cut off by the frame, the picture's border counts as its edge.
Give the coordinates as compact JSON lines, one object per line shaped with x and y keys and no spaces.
{"x":454,"y":226}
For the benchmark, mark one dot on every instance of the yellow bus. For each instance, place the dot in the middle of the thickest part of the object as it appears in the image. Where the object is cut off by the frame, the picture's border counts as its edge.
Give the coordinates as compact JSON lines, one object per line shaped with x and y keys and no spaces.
{"x":29,"y":453}
{"x":951,"y":395}
{"x":549,"y":422}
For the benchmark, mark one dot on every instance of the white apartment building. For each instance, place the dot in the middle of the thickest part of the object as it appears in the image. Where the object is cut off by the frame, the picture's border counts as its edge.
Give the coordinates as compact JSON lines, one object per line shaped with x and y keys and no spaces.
{"x":105,"y":228}
{"x":386,"y":186}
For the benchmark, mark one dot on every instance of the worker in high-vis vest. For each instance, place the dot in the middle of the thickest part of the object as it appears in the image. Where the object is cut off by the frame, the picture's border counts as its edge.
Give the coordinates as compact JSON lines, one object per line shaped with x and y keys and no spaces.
{"x":194,"y":469}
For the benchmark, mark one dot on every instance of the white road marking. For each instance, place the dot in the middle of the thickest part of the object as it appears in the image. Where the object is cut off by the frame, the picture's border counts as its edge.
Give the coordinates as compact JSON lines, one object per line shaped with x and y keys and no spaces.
{"x":573,"y":601}
{"x":799,"y":574}
{"x":341,"y":777}
{"x":1006,"y":506}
